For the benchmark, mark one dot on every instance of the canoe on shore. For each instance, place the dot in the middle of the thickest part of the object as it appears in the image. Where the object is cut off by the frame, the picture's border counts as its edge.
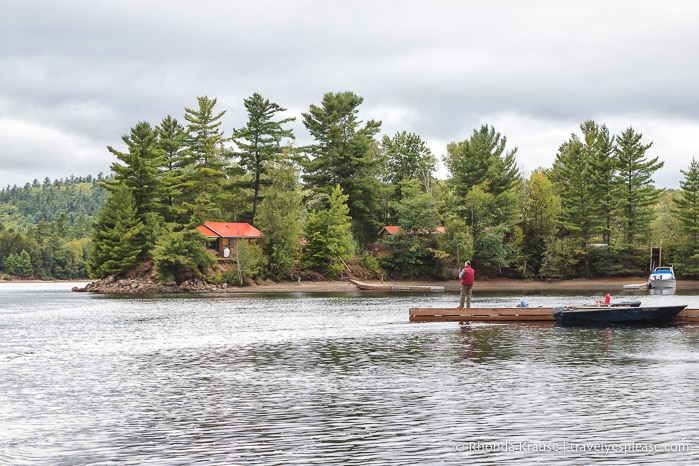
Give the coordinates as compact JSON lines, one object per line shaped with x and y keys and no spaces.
{"x":408,"y":288}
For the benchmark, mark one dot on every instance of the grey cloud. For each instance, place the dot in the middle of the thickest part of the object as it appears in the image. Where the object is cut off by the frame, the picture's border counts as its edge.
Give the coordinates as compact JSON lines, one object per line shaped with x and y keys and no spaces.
{"x":91,"y":70}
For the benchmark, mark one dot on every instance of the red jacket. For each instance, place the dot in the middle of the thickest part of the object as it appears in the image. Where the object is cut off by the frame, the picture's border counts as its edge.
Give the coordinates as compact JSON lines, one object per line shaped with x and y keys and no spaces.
{"x":467,"y":275}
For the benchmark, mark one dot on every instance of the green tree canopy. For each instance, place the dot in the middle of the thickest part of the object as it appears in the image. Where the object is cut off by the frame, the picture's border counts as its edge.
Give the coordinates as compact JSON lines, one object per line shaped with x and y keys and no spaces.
{"x":141,"y":168}
{"x":280,"y":219}
{"x":329,"y":236}
{"x":686,"y":202}
{"x":345,"y":154}
{"x":172,"y":142}
{"x":260,"y":142}
{"x":636,"y":193}
{"x":407,"y":157}
{"x":204,"y":164}
{"x":482,"y":161}
{"x":541,"y":207}
{"x":116,"y":247}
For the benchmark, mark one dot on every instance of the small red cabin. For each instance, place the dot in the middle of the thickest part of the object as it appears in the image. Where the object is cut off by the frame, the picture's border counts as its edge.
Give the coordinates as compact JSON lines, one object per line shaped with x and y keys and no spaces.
{"x":226,"y":236}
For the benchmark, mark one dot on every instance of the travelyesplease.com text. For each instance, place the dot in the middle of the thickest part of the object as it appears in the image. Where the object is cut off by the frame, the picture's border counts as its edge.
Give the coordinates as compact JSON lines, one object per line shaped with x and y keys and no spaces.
{"x":571,"y":447}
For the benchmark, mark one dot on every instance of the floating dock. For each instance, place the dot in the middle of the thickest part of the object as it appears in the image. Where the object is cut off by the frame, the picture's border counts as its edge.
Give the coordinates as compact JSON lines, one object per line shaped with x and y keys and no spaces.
{"x":507,"y":314}
{"x":636,"y":286}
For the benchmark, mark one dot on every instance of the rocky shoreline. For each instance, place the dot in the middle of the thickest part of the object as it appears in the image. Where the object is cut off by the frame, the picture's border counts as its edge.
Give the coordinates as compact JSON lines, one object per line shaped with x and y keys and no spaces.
{"x":135,"y":285}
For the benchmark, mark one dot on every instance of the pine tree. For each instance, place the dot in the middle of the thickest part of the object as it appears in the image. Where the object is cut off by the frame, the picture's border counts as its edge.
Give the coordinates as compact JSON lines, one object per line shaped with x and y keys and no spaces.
{"x":260,"y":142}
{"x":482,"y":160}
{"x":635,"y":192}
{"x":345,"y":153}
{"x":579,"y":218}
{"x":180,"y":255}
{"x":19,"y":265}
{"x":204,"y":163}
{"x":599,"y":147}
{"x":407,"y":157}
{"x":141,"y":168}
{"x":172,"y":142}
{"x":686,"y":205}
{"x":115,"y":244}
{"x":686,"y":211}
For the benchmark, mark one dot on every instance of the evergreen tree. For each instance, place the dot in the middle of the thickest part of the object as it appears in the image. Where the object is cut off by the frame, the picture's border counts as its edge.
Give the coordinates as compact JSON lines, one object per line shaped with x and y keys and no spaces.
{"x":599,"y":147}
{"x":636,"y":193}
{"x":19,"y":265}
{"x":141,"y":168}
{"x":686,"y":204}
{"x":180,"y":255}
{"x":250,"y":261}
{"x":141,"y":174}
{"x":579,"y":218}
{"x":407,"y":157}
{"x":259,"y":142}
{"x":486,"y":183}
{"x":482,"y":160}
{"x":204,"y":163}
{"x":280,"y":219}
{"x":115,"y":244}
{"x":685,"y":210}
{"x":345,"y":154}
{"x":416,"y":252}
{"x":417,"y":212}
{"x":329,"y":236}
{"x":172,"y":142}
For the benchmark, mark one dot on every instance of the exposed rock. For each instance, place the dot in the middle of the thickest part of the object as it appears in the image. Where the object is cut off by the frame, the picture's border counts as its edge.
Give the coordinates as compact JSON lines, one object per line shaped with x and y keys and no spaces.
{"x":143,"y":285}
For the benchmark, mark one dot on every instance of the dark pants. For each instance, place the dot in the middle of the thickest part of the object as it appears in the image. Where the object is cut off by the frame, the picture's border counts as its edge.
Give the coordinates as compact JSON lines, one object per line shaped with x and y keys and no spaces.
{"x":465,"y":294}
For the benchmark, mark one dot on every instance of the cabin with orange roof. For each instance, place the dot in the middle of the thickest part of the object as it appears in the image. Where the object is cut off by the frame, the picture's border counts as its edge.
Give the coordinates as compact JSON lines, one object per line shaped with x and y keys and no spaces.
{"x":225,"y":236}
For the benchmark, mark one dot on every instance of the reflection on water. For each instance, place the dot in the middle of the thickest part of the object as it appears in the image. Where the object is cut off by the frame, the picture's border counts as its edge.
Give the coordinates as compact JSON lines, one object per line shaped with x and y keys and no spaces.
{"x":333,"y":379}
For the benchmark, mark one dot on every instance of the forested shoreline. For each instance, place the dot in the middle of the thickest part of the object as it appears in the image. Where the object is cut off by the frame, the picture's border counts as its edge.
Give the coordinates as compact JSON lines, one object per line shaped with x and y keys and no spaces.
{"x":45,"y":228}
{"x":594,"y":213}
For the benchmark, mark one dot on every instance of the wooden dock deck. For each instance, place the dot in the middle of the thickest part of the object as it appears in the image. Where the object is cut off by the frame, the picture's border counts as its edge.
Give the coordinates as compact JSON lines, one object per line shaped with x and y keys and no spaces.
{"x":507,"y":314}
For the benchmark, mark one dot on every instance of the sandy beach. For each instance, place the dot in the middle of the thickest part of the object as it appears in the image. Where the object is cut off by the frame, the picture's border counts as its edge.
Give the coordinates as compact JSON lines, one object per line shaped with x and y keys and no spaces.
{"x":597,"y":286}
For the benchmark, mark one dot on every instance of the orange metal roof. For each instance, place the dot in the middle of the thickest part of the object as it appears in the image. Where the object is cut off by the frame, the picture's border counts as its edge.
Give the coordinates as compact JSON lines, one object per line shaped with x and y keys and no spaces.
{"x":206,"y":232}
{"x":229,"y":230}
{"x":393,"y":229}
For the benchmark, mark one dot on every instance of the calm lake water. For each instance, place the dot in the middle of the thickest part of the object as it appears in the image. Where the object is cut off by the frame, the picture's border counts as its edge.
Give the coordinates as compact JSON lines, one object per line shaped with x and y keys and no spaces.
{"x":334,"y":379}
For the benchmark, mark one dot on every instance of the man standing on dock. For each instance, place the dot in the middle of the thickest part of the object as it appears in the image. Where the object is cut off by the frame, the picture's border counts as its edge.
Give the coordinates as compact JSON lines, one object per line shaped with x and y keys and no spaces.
{"x":467,"y":276}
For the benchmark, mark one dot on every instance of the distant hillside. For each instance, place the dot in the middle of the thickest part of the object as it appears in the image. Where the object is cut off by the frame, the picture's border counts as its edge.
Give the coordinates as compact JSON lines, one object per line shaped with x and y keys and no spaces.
{"x":75,"y":197}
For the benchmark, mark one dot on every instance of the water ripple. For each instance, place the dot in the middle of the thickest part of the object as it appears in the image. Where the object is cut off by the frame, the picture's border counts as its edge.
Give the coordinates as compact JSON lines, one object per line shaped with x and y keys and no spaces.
{"x":331,"y":380}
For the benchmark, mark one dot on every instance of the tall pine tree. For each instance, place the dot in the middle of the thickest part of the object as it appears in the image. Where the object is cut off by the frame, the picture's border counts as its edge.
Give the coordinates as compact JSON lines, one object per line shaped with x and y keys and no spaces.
{"x":686,"y":210}
{"x":345,"y":154}
{"x":172,"y":142}
{"x":205,"y":163}
{"x":635,"y":192}
{"x":260,"y":142}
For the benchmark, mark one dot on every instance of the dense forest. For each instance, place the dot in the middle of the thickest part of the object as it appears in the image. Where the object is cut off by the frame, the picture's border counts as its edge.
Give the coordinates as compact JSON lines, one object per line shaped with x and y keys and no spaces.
{"x":45,"y":228}
{"x":595,"y":212}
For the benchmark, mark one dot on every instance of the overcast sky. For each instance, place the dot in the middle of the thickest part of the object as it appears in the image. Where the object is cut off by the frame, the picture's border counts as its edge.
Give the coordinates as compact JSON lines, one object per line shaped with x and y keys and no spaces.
{"x":77,"y":75}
